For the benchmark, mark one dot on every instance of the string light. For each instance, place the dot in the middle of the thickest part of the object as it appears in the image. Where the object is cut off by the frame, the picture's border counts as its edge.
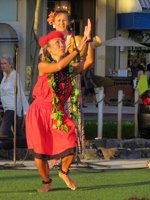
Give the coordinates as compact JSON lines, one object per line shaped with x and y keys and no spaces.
{"x":64,"y":5}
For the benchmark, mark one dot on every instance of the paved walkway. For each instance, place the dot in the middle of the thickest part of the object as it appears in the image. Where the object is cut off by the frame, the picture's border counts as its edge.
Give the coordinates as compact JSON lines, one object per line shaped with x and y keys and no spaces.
{"x":91,"y":108}
{"x":109,"y":112}
{"x":119,"y":164}
{"x":95,"y":164}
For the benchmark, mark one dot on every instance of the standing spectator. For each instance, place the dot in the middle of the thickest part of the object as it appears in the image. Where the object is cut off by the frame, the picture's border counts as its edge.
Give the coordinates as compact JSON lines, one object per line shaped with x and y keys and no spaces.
{"x":1,"y":73}
{"x":89,"y":85}
{"x":142,"y":81}
{"x":1,"y":77}
{"x":134,"y":72}
{"x":10,"y":89}
{"x":148,"y":73}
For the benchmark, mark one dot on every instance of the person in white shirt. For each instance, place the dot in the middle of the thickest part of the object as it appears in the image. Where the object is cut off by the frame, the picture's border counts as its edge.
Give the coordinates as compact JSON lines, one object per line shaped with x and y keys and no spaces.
{"x":12,"y":97}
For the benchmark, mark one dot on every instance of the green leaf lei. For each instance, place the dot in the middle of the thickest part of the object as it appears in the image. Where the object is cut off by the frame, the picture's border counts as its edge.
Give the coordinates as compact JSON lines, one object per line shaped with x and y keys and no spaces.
{"x":57,"y":114}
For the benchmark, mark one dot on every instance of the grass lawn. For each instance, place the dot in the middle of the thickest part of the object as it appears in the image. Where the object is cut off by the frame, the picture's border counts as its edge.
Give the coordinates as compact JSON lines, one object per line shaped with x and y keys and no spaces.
{"x":92,"y":185}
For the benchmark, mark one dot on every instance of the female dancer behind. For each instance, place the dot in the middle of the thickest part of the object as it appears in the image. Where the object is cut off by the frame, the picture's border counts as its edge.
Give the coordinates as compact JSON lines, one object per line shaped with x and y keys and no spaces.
{"x":60,"y":20}
{"x":50,"y":131}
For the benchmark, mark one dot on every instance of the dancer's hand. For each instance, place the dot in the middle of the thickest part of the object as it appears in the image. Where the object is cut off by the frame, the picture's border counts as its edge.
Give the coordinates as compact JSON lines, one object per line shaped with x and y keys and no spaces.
{"x":68,"y":42}
{"x":87,"y":30}
{"x":82,"y":43}
{"x":87,"y":35}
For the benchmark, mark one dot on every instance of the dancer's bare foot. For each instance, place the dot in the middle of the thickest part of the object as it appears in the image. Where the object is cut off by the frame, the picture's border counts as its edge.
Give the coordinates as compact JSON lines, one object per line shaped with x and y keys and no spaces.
{"x":46,"y":186}
{"x":70,"y":184}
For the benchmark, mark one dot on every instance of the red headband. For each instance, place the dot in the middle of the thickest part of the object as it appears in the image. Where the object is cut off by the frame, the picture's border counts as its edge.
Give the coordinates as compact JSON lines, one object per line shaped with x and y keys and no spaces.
{"x":52,"y":35}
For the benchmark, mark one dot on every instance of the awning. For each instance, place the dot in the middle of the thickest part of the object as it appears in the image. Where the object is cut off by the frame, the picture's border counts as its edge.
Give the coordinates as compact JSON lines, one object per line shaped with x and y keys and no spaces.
{"x":133,"y":21}
{"x":7,"y":34}
{"x":145,"y":4}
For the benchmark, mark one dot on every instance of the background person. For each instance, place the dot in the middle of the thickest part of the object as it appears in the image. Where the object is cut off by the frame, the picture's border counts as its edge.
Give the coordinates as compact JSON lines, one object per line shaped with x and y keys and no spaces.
{"x":53,"y":133}
{"x":1,"y":73}
{"x":142,"y":80}
{"x":1,"y":107}
{"x":7,"y":96}
{"x":89,"y":86}
{"x":134,"y":72}
{"x":60,"y":20}
{"x":148,"y":73}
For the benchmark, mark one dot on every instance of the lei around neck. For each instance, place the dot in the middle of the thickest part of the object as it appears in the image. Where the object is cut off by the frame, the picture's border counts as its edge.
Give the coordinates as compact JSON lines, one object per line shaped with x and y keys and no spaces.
{"x":57,"y":114}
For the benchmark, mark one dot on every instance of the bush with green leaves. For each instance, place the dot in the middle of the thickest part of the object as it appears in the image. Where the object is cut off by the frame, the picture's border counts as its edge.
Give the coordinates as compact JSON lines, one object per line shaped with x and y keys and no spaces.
{"x":109,"y":130}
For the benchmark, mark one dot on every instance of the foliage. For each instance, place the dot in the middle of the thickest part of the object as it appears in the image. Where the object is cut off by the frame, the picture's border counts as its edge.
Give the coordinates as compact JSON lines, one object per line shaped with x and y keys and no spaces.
{"x":109,"y":130}
{"x":57,"y":114}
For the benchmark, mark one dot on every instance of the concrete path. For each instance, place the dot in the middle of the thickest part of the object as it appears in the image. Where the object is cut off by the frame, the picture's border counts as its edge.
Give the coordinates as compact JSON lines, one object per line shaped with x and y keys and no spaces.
{"x":119,"y":164}
{"x":91,"y":108}
{"x":95,"y":164}
{"x":109,"y":112}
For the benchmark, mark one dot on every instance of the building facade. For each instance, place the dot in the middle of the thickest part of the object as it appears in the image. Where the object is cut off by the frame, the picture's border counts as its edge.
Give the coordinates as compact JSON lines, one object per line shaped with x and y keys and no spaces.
{"x":17,"y":36}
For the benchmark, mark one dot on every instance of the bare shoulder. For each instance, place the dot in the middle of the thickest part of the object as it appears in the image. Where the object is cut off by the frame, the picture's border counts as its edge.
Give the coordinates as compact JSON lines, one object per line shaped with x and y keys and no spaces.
{"x":40,"y":67}
{"x":42,"y":64}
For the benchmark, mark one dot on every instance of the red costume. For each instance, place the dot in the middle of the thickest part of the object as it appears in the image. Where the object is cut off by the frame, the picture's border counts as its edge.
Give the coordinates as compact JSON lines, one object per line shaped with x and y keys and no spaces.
{"x":46,"y":141}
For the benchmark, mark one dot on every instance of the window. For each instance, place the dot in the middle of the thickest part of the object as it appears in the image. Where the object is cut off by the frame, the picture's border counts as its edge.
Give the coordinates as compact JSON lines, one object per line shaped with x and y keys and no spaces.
{"x":8,"y":10}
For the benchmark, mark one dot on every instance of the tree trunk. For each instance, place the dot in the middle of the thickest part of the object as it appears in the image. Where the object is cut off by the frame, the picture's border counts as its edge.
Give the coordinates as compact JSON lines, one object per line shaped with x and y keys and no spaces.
{"x":36,"y":52}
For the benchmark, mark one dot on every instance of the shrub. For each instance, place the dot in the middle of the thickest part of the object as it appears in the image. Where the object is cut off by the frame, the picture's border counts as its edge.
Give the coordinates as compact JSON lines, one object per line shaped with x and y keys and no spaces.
{"x":109,"y":130}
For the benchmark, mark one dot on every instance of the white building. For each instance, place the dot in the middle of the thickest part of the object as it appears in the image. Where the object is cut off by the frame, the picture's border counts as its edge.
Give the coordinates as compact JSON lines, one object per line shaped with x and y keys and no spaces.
{"x":17,"y":36}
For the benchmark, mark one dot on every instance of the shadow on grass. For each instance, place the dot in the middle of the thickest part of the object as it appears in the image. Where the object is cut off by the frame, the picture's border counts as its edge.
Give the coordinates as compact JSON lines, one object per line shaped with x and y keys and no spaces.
{"x":94,"y":187}
{"x":19,"y":177}
{"x":33,"y":191}
{"x":90,"y":187}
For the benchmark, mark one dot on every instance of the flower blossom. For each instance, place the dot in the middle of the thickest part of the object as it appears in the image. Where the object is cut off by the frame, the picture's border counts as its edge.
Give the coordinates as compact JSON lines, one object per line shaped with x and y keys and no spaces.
{"x":50,"y":18}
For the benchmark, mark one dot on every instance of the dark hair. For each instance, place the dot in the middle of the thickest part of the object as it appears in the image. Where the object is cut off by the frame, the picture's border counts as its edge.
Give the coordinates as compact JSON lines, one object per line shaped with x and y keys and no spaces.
{"x":148,"y":67}
{"x":141,"y":68}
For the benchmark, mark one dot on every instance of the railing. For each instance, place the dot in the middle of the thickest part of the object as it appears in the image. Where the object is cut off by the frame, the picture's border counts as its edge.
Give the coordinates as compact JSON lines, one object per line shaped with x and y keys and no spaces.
{"x":100,"y":99}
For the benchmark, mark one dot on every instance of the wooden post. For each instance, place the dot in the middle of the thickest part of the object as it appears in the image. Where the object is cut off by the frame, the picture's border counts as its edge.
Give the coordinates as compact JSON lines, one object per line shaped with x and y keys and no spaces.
{"x":120,"y":108}
{"x":136,"y":104}
{"x":100,"y":112}
{"x":15,"y":104}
